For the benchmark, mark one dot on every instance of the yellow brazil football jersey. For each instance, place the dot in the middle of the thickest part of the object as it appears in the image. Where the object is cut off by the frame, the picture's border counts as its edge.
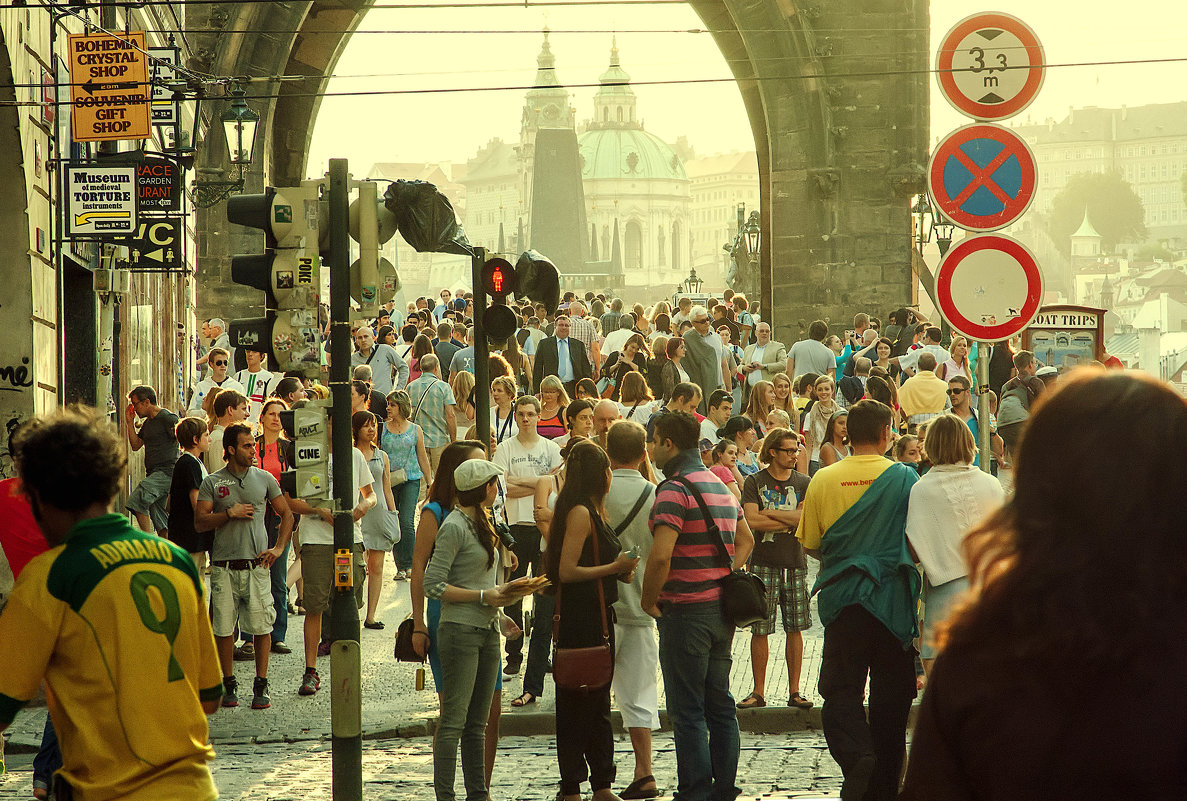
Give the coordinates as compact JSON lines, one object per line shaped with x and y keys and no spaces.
{"x":115,"y":621}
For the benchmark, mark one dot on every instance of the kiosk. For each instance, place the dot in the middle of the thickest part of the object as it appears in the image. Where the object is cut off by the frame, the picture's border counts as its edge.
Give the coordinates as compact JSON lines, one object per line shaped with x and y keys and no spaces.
{"x":1066,"y":336}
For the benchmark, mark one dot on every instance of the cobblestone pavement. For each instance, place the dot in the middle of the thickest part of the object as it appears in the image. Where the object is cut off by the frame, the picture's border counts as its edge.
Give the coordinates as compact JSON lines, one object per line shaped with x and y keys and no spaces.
{"x":772,"y":766}
{"x":392,"y":707}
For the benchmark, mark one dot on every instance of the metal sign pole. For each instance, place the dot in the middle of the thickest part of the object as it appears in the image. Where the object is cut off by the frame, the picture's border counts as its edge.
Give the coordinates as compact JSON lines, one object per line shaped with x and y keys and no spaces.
{"x":345,"y":668}
{"x":983,"y":431}
{"x":481,"y":354}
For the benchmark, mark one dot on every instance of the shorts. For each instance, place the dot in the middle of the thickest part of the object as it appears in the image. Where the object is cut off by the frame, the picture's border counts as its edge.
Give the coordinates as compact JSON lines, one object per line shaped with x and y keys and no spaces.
{"x":787,"y":589}
{"x":1011,"y":433}
{"x":938,"y":604}
{"x":432,"y":619}
{"x":317,"y":571}
{"x":150,"y":496}
{"x":243,"y":597}
{"x":636,"y":664}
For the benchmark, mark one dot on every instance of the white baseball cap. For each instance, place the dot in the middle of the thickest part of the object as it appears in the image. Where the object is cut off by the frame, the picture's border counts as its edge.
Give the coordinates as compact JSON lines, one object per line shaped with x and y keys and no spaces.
{"x":474,"y":473}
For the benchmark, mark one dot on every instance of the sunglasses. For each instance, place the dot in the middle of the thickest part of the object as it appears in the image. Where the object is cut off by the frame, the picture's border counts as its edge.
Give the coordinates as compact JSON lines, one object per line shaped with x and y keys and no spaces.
{"x":955,"y":391}
{"x":220,"y":364}
{"x":786,"y":450}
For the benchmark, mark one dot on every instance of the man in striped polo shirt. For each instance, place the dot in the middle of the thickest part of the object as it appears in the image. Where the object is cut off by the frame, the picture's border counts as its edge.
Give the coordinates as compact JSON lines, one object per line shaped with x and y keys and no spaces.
{"x":681,"y":588}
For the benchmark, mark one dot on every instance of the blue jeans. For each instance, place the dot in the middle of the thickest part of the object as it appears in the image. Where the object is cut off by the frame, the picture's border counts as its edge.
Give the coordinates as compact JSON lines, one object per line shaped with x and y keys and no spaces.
{"x":469,"y":663}
{"x":539,"y":644}
{"x":694,"y":656}
{"x":49,"y":758}
{"x":405,"y":495}
{"x":280,"y":595}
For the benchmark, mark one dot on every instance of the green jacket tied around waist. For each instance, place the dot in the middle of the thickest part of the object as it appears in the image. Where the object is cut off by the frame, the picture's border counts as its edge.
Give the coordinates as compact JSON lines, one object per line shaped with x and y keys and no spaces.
{"x":864,"y":558}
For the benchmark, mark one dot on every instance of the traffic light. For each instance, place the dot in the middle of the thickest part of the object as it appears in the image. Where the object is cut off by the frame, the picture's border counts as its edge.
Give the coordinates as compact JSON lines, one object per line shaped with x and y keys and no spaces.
{"x":307,"y":427}
{"x":538,"y":280}
{"x":373,"y":279}
{"x":288,"y":272}
{"x":498,"y":281}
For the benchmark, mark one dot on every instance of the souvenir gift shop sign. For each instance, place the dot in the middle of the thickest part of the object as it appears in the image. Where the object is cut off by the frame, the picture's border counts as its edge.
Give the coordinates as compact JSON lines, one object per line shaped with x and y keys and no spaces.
{"x":1066,"y":336}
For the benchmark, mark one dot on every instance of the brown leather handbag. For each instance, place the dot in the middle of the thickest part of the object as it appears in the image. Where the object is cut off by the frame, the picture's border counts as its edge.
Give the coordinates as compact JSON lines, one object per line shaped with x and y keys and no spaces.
{"x":585,"y":669}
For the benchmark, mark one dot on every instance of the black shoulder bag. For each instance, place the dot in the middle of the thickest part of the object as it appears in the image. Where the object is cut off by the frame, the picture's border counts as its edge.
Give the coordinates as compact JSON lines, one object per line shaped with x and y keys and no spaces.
{"x":743,"y":594}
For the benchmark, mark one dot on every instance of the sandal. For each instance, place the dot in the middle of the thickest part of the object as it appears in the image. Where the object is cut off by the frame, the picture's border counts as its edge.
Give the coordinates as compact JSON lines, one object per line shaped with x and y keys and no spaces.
{"x":752,"y":701}
{"x":799,"y":701}
{"x":637,"y":790}
{"x":523,"y":700}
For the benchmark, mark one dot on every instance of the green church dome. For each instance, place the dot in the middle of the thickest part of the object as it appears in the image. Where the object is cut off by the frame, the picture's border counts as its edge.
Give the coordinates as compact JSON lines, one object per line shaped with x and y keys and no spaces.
{"x":627,"y":153}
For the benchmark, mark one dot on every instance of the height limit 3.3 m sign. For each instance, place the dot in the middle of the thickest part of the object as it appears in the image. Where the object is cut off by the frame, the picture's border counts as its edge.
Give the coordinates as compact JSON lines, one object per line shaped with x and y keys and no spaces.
{"x":990,"y":66}
{"x":109,"y":94}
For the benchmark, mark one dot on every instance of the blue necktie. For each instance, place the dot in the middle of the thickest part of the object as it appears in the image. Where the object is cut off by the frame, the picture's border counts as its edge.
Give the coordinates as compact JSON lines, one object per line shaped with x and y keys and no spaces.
{"x":564,"y":369}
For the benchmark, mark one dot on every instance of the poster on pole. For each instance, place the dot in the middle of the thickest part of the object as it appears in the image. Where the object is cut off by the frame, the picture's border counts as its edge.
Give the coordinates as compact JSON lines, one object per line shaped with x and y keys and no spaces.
{"x":100,"y":201}
{"x":109,"y":90}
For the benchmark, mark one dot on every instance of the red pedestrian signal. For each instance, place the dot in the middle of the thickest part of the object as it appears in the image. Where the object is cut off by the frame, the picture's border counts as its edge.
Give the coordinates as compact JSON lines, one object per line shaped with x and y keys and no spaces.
{"x":498,"y":278}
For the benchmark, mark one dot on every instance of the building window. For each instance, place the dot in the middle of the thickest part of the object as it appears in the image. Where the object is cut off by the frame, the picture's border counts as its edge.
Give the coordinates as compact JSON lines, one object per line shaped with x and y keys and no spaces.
{"x":634,"y":246}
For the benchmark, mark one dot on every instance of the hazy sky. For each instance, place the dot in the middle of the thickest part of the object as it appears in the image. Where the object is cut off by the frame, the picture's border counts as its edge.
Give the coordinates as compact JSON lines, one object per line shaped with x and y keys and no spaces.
{"x":451,"y":126}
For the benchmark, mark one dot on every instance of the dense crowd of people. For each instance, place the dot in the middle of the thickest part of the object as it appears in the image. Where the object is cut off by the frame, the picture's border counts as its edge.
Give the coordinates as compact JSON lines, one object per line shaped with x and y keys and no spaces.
{"x":638,"y":457}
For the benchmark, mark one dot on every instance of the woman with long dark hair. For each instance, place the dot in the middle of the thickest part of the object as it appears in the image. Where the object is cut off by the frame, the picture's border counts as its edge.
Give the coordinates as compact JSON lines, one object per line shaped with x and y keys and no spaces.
{"x":580,"y":414}
{"x":381,"y":528}
{"x":426,"y":614}
{"x":408,"y":461}
{"x":632,"y":358}
{"x":464,"y":573}
{"x":1078,"y":587}
{"x":421,"y":346}
{"x":583,"y":555}
{"x":672,"y":373}
{"x":636,"y":401}
{"x":655,"y":367}
{"x":274,"y":453}
{"x":836,"y":439}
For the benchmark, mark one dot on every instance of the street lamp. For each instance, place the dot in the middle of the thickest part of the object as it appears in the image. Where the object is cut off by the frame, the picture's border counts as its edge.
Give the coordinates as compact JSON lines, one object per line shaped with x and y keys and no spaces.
{"x":752,"y":234}
{"x":693,"y":283}
{"x":944,"y":228}
{"x":240,"y":123}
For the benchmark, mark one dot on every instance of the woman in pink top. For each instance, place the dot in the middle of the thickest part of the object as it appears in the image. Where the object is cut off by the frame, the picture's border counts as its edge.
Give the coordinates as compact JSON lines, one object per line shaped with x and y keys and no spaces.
{"x":725,"y":466}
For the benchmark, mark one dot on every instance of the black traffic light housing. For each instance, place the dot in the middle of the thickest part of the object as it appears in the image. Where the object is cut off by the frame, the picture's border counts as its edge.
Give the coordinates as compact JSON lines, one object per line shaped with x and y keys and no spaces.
{"x":498,"y":281}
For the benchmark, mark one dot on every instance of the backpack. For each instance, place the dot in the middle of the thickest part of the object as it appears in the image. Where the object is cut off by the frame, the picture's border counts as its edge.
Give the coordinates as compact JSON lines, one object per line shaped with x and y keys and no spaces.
{"x":1014,"y":406}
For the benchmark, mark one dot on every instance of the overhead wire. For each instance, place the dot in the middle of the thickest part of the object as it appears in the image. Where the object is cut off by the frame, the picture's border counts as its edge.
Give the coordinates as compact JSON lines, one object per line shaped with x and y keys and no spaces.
{"x":637,"y":83}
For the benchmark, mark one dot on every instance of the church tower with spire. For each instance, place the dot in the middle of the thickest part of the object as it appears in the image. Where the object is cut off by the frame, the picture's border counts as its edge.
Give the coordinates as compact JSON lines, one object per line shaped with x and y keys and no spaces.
{"x":615,"y":101}
{"x":546,"y":105}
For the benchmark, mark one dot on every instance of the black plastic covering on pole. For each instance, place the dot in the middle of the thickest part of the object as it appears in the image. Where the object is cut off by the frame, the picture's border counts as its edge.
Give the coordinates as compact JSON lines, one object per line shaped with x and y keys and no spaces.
{"x":347,"y":752}
{"x":481,"y":354}
{"x":425,"y":218}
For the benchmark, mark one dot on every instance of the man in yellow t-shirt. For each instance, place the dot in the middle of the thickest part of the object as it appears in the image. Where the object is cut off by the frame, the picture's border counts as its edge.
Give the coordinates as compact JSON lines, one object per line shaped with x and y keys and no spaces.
{"x":854,"y":521}
{"x":115,"y":622}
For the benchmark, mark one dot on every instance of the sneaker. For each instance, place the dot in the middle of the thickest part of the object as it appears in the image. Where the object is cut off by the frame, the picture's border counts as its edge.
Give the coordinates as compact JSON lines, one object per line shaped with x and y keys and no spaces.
{"x":245,"y":652}
{"x":278,"y":647}
{"x":323,"y":648}
{"x":230,"y":692}
{"x":310,"y":683}
{"x":259,"y":694}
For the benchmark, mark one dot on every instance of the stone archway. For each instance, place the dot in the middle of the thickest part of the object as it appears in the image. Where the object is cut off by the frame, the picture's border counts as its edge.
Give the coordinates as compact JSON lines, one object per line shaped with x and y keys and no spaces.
{"x":836,"y":94}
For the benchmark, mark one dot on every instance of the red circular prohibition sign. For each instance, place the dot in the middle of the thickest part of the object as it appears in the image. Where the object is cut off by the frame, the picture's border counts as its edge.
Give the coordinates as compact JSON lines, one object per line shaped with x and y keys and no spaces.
{"x":985,"y":111}
{"x":949,"y":147}
{"x":979,"y":331}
